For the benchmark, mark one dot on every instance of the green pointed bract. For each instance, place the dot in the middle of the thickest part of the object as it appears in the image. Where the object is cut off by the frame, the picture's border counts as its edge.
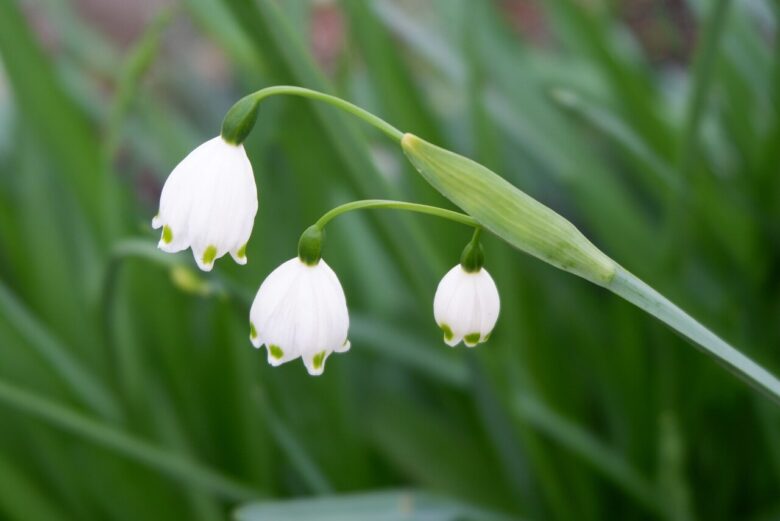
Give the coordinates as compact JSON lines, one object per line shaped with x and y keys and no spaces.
{"x":508,"y":212}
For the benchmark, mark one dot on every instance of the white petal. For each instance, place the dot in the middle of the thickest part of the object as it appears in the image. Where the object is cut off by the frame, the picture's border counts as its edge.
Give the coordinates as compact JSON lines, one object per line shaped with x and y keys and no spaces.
{"x":205,"y":257}
{"x":344,"y":347}
{"x":335,"y":308}
{"x":309,"y":318}
{"x":209,"y":200}
{"x":271,"y":309}
{"x":315,"y":362}
{"x":445,"y":291}
{"x":490,"y":303}
{"x":239,"y":254}
{"x":447,"y":304}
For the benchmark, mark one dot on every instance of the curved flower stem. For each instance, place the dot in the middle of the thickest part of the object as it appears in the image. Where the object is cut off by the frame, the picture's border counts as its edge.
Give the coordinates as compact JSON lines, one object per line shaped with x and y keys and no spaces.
{"x":461,"y":218}
{"x":346,"y":106}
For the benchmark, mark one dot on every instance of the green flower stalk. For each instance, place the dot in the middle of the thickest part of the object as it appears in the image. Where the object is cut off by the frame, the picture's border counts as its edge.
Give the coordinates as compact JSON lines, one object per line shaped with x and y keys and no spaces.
{"x":495,"y":205}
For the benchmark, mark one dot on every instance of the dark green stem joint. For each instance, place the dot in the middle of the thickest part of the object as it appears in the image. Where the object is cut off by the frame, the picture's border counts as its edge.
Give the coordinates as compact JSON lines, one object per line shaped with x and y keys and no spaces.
{"x":310,"y":245}
{"x":473,"y":257}
{"x":240,"y":120}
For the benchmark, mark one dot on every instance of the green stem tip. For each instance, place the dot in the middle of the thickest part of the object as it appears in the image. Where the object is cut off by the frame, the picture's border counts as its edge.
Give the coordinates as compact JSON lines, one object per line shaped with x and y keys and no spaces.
{"x":310,"y":245}
{"x":240,"y":120}
{"x":473,"y":257}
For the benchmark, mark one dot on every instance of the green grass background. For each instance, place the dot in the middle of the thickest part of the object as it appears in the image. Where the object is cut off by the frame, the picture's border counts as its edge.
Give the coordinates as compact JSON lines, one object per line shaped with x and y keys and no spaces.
{"x":129,"y":389}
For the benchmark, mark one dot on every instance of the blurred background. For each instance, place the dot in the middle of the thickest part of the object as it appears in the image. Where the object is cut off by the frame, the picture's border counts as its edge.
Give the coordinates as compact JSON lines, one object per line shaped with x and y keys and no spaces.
{"x":129,"y":389}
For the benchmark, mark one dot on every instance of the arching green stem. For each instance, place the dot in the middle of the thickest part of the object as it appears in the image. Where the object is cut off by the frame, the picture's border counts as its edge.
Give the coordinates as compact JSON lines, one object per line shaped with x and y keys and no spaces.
{"x":240,"y":118}
{"x":396,"y":205}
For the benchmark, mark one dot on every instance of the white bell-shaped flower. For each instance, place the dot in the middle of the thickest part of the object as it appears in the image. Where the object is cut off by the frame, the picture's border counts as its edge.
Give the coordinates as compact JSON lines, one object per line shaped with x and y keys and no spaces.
{"x":466,"y":306}
{"x":300,"y":311}
{"x":209,"y":203}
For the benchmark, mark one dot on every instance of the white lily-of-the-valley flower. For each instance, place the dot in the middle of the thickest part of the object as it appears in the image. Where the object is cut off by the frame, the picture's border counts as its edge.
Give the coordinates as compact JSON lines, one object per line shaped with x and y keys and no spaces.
{"x":209,"y":203}
{"x":466,"y":306}
{"x":300,"y":311}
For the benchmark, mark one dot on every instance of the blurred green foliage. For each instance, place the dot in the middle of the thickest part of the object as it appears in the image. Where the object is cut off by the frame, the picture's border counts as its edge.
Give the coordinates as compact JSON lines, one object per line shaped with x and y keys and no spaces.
{"x":128,"y":387}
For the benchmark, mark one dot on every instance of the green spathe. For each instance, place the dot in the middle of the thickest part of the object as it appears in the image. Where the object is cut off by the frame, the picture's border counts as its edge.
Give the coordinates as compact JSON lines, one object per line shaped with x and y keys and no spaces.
{"x":508,"y":212}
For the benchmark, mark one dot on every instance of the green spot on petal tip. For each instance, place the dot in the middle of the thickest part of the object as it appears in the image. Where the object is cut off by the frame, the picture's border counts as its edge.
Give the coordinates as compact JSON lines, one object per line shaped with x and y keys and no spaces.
{"x":209,"y":255}
{"x":241,"y":253}
{"x":167,"y":234}
{"x":276,"y":351}
{"x":252,"y":331}
{"x":471,"y":338}
{"x":318,"y":359}
{"x":447,"y":331}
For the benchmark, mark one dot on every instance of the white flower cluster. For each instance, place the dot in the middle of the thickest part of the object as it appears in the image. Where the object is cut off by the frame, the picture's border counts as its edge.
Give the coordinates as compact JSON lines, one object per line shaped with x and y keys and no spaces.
{"x":209,"y":203}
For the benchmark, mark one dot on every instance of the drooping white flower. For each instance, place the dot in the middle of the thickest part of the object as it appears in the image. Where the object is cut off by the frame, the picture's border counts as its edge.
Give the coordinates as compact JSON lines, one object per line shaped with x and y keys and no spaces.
{"x":209,"y":203}
{"x":300,"y":311}
{"x":466,"y":306}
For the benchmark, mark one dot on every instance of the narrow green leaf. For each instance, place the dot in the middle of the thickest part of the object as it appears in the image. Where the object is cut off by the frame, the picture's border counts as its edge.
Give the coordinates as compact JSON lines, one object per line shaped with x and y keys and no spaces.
{"x":87,"y":388}
{"x":135,"y":65}
{"x":46,"y":108}
{"x":178,"y":467}
{"x":701,"y":84}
